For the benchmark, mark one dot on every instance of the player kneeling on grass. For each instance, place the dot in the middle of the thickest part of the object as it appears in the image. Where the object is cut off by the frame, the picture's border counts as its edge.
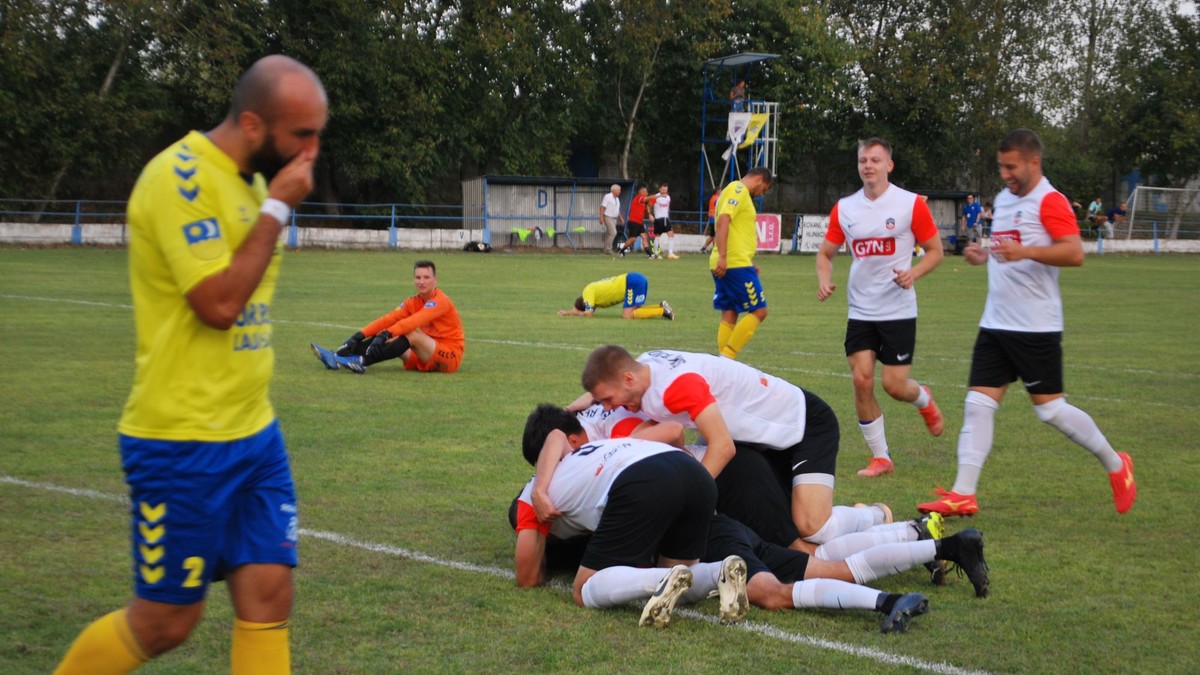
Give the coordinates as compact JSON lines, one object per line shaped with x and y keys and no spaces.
{"x":425,"y":331}
{"x":628,"y":290}
{"x":656,"y":504}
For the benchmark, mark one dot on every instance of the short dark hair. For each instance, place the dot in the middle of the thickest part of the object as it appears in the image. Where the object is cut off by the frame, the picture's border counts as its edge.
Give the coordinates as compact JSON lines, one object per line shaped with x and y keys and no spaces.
{"x":580,"y":305}
{"x":605,"y":363}
{"x":1024,"y":140}
{"x":425,"y":263}
{"x":875,"y":140}
{"x":762,"y":172}
{"x":546,"y":417}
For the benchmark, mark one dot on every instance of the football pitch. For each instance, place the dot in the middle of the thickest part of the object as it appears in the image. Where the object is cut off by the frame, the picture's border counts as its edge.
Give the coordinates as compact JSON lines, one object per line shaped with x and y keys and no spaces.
{"x":404,"y":479}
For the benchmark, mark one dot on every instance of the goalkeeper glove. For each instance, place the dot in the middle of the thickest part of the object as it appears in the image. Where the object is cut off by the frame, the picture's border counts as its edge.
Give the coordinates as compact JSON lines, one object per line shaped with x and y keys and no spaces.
{"x":350,"y":345}
{"x":375,"y":351}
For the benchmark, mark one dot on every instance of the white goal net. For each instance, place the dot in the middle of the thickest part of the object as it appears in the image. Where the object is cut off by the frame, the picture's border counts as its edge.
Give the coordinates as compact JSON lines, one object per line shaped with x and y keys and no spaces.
{"x":1162,"y":213}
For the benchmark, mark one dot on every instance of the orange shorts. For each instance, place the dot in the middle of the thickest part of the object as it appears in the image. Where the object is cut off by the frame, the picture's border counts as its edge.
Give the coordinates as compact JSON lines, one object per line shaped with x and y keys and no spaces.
{"x":444,"y":360}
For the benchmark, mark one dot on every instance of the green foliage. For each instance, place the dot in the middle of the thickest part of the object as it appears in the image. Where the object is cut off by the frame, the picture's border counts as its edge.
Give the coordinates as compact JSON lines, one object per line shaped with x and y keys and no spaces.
{"x":428,"y":464}
{"x":425,"y":94}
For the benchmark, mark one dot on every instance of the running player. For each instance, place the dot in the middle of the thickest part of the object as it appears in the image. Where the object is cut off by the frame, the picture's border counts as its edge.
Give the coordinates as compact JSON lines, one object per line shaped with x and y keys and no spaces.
{"x":1020,"y":335}
{"x":425,"y":331}
{"x":737,"y":287}
{"x":881,"y":223}
{"x":211,"y":490}
{"x":628,"y":290}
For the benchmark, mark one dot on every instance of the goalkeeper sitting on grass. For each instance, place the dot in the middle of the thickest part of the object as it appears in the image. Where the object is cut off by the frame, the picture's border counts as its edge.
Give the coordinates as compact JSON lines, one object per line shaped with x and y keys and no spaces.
{"x":425,"y":331}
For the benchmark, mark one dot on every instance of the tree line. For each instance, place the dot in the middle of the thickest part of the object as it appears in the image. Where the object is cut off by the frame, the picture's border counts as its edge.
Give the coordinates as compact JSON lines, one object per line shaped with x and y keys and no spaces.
{"x":425,"y":93}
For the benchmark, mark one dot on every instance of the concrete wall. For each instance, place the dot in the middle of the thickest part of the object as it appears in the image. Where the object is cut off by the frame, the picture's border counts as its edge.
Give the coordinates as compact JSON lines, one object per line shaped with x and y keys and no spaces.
{"x":422,"y":239}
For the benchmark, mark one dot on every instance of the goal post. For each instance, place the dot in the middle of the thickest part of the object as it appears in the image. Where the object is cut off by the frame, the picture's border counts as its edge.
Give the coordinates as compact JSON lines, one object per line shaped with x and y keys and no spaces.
{"x":1162,"y":213}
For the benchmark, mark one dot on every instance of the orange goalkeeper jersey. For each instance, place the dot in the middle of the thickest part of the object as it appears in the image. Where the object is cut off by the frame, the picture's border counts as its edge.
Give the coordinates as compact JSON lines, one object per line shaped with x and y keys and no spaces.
{"x":436,"y":317}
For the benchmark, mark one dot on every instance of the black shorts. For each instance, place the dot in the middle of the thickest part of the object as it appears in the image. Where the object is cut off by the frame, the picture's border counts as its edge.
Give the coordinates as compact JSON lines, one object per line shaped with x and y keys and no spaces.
{"x":659,"y":506}
{"x":662,"y":225}
{"x":816,"y":452}
{"x":634,"y":230}
{"x":892,"y":341}
{"x":751,"y":492}
{"x":710,"y":230}
{"x":1001,"y":356}
{"x":727,"y":536}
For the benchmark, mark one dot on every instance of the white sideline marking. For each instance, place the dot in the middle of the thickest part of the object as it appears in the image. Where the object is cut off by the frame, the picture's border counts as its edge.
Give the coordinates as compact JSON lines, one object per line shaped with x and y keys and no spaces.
{"x":761,"y":629}
{"x":574,"y":347}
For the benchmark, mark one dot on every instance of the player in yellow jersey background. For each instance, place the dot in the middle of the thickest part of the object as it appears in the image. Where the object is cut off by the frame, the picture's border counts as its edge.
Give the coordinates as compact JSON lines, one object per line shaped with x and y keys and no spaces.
{"x":735,"y":278}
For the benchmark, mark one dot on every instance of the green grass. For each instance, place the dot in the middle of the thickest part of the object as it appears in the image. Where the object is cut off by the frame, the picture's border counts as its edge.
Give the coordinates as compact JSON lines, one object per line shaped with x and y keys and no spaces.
{"x":428,"y":464}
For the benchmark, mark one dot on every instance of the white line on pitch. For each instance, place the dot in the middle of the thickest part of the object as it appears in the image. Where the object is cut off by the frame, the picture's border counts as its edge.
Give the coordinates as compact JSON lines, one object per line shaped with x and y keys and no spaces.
{"x":761,"y":629}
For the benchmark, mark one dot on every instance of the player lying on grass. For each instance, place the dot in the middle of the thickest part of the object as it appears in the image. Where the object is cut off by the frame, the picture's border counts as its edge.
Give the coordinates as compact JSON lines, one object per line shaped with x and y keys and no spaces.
{"x":425,"y":331}
{"x":856,"y":558}
{"x":628,"y":290}
{"x":642,"y":501}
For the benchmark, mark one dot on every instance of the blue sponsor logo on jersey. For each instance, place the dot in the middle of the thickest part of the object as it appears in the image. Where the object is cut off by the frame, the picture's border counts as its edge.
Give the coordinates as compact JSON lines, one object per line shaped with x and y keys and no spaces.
{"x":202,"y":231}
{"x":431,"y":303}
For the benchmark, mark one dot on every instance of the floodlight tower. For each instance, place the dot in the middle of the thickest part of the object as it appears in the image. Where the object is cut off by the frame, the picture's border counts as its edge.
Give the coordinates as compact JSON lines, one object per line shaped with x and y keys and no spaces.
{"x":745,"y":130}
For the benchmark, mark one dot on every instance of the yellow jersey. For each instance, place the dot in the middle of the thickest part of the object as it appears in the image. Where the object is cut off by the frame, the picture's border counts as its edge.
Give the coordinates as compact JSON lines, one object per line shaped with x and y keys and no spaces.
{"x":189,"y":211}
{"x":604,"y":293}
{"x":743,"y":228}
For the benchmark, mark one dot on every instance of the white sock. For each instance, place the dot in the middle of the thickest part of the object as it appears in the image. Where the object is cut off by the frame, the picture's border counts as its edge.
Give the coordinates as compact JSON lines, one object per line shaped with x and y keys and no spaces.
{"x":671,"y":245}
{"x":923,"y":397}
{"x":889,"y":559}
{"x":975,"y":440}
{"x":848,"y":544}
{"x":846,"y":520}
{"x":614,"y":586}
{"x":704,"y":581}
{"x":876,"y":438}
{"x":1079,"y":426}
{"x":832,"y":594}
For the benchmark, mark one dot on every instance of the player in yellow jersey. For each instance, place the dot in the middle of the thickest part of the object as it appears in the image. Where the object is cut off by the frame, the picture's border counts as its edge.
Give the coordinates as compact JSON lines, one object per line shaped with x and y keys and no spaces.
{"x":735,"y":277}
{"x":628,"y":290}
{"x":211,"y":489}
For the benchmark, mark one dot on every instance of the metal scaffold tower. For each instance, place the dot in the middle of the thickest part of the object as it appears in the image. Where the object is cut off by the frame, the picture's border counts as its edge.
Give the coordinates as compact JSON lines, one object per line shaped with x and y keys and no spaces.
{"x":737,"y":130}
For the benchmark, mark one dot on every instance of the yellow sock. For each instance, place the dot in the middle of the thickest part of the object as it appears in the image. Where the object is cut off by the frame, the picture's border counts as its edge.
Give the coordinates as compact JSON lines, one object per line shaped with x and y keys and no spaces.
{"x":260,"y":648}
{"x":741,"y":335}
{"x":648,"y":313}
{"x":724,"y":331}
{"x":106,"y":647}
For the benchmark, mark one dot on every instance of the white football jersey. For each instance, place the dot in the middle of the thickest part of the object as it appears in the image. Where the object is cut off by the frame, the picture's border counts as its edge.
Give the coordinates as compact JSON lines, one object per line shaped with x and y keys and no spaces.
{"x":757,"y":407}
{"x":579,"y":488}
{"x":662,"y":206}
{"x":1023,"y":295}
{"x":599,"y":424}
{"x":881,"y":236}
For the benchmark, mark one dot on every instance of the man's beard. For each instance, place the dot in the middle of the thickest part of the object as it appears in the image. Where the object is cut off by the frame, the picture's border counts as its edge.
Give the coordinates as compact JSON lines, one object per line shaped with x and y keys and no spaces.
{"x":267,"y":160}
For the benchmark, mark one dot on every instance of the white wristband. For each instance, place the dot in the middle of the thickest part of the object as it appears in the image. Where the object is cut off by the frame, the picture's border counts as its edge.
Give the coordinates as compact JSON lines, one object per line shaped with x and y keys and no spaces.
{"x":276,"y":209}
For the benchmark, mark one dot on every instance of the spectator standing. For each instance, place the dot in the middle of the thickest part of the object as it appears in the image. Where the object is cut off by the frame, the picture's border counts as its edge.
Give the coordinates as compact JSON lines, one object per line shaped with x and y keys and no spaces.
{"x":610,"y":216}
{"x":970,"y":218}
